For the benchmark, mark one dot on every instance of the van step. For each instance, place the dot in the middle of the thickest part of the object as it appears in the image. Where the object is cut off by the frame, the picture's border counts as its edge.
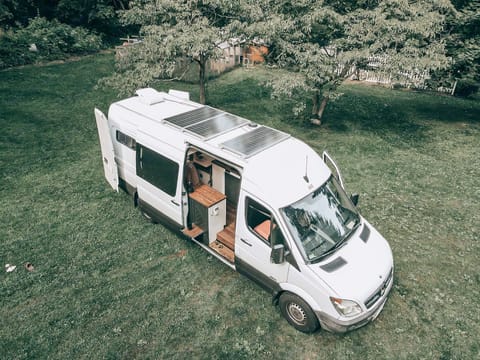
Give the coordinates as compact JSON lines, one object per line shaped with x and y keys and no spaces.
{"x":227,"y":236}
{"x":222,"y":250}
{"x":194,"y":232}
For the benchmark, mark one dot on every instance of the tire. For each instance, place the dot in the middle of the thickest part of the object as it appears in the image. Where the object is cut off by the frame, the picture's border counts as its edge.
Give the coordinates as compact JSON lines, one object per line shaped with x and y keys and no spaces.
{"x":297,"y":312}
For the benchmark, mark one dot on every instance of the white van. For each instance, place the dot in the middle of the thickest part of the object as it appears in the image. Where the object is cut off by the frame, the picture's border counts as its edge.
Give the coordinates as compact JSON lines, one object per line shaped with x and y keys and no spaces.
{"x":259,"y":200}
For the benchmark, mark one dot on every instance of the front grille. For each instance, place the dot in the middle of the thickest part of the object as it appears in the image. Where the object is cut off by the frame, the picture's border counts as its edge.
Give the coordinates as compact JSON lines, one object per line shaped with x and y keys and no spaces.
{"x":379,"y":293}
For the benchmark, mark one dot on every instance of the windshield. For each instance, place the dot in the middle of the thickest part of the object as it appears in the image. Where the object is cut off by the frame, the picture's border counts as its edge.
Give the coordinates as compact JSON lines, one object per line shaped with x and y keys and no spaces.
{"x":322,"y":221}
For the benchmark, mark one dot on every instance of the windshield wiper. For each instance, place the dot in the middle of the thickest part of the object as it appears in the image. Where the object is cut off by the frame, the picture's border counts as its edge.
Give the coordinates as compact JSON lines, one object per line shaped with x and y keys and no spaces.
{"x":338,"y":245}
{"x":329,"y":252}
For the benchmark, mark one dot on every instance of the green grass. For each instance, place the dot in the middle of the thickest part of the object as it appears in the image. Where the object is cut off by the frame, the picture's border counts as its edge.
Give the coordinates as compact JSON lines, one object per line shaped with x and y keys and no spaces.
{"x":107,"y":284}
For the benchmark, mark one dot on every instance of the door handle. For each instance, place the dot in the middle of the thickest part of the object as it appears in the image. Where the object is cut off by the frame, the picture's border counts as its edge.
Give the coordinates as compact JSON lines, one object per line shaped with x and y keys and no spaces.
{"x":175,"y":203}
{"x":246,"y":242}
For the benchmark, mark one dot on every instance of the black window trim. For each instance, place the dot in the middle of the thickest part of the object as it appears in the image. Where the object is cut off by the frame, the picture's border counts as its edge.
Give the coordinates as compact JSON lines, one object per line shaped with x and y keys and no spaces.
{"x":125,"y":140}
{"x":288,"y":253}
{"x":140,"y":169}
{"x":268,"y":214}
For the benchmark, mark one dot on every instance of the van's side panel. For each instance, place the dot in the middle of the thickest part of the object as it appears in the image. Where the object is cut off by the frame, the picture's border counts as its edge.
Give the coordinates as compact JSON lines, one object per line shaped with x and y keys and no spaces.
{"x":306,"y":285}
{"x":159,"y":169}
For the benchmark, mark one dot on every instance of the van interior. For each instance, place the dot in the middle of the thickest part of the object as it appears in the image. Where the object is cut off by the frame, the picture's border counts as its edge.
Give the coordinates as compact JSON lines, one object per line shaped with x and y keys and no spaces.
{"x":213,"y":187}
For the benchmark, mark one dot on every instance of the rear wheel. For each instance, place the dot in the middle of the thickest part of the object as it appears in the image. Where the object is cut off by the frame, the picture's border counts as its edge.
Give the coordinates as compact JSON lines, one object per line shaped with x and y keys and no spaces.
{"x":298,"y":313}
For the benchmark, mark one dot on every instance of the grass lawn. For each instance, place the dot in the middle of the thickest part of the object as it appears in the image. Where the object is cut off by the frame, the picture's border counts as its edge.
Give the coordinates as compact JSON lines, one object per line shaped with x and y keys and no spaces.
{"x":108,"y":284}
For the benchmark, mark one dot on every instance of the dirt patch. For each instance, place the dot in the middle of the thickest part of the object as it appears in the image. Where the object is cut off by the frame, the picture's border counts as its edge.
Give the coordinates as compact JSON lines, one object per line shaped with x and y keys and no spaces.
{"x":178,"y":254}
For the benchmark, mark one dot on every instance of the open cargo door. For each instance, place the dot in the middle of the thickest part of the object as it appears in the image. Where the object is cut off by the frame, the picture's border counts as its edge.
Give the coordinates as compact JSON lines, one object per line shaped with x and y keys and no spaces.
{"x":106,"y":144}
{"x":327,"y":159}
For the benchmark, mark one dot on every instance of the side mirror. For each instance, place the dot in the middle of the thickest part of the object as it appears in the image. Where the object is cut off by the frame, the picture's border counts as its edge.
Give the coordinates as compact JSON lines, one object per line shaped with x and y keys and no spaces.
{"x":354,"y":198}
{"x":278,"y":254}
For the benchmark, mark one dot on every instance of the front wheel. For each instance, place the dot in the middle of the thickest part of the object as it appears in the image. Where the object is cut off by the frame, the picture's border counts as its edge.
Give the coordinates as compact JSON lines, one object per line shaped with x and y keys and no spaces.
{"x":298,"y":313}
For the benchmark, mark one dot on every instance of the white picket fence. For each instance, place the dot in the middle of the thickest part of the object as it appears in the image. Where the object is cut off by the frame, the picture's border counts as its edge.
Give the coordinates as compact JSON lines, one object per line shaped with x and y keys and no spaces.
{"x":408,"y":80}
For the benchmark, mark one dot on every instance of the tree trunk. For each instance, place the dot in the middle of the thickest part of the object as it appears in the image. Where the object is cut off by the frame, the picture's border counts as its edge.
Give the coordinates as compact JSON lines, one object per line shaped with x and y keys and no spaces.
{"x":323,"y":105}
{"x":315,"y":100}
{"x":202,"y":65}
{"x":318,"y":108}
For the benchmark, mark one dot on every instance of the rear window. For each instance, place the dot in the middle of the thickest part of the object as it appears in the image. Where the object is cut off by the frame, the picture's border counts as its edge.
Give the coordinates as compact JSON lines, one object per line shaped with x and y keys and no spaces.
{"x":126,"y":140}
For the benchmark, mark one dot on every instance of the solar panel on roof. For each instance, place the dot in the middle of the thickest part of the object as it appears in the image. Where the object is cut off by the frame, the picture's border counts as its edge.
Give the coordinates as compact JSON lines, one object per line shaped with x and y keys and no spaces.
{"x":217,"y":125}
{"x":192,"y":117}
{"x":206,"y":122}
{"x":253,"y":142}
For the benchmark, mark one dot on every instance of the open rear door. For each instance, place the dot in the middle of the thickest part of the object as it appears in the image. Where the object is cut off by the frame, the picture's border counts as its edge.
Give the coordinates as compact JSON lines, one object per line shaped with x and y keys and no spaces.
{"x":327,"y":159}
{"x":106,"y":144}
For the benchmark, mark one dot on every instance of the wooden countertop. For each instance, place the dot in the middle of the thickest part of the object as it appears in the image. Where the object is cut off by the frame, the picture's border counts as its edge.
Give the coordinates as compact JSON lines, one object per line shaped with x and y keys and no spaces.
{"x":205,"y":162}
{"x":207,"y":196}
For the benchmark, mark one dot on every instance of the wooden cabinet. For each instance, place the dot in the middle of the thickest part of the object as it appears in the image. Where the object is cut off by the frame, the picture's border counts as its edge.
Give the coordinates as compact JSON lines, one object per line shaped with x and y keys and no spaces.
{"x":204,"y":169}
{"x":208,"y":209}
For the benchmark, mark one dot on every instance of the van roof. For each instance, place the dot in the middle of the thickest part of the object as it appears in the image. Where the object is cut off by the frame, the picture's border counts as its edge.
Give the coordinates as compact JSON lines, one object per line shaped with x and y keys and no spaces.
{"x":204,"y":123}
{"x":277,"y":162}
{"x":285,"y":173}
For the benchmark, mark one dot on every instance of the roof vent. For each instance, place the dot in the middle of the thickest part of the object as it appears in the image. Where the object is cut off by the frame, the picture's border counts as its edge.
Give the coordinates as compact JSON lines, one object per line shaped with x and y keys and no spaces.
{"x":184,"y":95}
{"x":149,"y":96}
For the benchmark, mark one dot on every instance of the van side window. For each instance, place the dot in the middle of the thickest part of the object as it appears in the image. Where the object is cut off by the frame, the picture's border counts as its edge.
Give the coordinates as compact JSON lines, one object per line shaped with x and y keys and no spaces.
{"x":157,"y":170}
{"x":259,"y":220}
{"x":126,"y":140}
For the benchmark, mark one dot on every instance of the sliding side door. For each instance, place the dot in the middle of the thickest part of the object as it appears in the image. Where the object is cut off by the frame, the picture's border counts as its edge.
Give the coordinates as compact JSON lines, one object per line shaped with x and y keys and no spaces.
{"x":159,"y":184}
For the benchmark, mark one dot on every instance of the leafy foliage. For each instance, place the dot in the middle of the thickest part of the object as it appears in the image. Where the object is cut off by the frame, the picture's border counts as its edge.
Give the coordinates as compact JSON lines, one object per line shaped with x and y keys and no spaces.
{"x":14,"y":50}
{"x":17,"y":13}
{"x":464,"y":45}
{"x":52,"y":40}
{"x":321,"y":43}
{"x":174,"y":34}
{"x":98,"y":15}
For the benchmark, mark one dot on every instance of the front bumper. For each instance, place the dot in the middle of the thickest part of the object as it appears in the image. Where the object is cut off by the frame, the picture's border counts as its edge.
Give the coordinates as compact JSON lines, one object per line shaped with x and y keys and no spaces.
{"x":332,"y":324}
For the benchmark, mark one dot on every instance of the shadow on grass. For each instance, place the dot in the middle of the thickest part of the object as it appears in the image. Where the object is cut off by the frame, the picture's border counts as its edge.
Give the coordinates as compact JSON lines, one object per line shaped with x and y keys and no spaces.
{"x":451,"y":110}
{"x":245,"y":91}
{"x":388,"y":115}
{"x":403,"y":118}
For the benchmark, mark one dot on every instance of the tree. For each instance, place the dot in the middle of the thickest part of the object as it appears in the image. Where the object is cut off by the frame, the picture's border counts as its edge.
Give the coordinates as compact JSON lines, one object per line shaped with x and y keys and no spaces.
{"x":99,"y":15}
{"x":320,"y":43}
{"x":464,"y":47}
{"x":174,"y":33}
{"x":15,"y":13}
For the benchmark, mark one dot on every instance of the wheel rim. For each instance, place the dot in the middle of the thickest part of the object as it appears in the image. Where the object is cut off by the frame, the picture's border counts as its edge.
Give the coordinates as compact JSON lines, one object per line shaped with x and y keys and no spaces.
{"x":297,"y":314}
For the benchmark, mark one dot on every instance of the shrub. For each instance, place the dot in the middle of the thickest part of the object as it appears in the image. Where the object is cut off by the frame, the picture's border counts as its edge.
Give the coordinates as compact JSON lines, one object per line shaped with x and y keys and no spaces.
{"x":53,"y":40}
{"x":466,"y":87}
{"x":14,"y":51}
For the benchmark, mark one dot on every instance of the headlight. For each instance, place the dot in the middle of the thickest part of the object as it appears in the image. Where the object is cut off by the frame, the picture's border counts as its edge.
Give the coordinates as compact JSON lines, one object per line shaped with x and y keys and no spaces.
{"x":346,"y":308}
